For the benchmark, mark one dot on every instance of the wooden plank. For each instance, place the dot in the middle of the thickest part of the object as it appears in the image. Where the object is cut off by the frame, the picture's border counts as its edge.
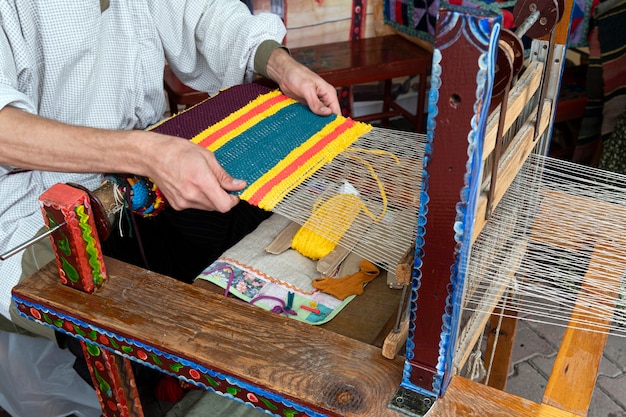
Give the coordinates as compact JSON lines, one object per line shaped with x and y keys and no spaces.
{"x":581,"y":211}
{"x":520,"y":95}
{"x":576,"y":366}
{"x":467,"y":398}
{"x":304,"y":363}
{"x":500,"y":341}
{"x":510,"y":165}
{"x":395,"y":341}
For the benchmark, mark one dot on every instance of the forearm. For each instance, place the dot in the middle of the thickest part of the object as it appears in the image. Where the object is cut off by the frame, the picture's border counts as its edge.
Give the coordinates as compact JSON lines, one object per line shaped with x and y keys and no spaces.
{"x":32,"y":142}
{"x":262,"y":56}
{"x":278,"y":63}
{"x":188,"y":175}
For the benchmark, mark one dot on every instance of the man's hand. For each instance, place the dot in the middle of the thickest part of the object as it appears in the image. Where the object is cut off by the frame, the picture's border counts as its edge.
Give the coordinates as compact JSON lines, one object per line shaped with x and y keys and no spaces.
{"x":190,"y":176}
{"x":300,"y":83}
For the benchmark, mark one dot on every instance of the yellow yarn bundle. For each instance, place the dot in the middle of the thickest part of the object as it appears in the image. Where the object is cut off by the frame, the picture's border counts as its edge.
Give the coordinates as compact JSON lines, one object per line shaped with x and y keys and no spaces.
{"x":334,"y":217}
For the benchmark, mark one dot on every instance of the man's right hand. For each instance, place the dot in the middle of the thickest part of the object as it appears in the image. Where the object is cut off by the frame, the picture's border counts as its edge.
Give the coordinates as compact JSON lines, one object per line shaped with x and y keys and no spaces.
{"x":190,"y":176}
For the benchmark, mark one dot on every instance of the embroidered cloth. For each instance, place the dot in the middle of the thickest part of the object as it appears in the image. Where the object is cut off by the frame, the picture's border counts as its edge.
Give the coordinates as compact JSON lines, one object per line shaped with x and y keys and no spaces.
{"x":268,"y":281}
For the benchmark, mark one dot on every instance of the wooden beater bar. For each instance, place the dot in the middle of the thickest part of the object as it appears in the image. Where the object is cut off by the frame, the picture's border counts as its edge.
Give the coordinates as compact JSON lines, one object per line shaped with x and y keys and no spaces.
{"x":452,"y":168}
{"x":449,"y":221}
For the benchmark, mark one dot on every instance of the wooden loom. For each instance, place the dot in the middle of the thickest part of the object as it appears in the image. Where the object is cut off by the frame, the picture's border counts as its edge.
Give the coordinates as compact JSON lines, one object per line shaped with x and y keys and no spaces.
{"x":232,"y":348}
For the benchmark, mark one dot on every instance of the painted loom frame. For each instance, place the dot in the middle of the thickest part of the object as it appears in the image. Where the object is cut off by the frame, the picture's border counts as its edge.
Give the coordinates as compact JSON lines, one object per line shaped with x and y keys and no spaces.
{"x":111,"y":322}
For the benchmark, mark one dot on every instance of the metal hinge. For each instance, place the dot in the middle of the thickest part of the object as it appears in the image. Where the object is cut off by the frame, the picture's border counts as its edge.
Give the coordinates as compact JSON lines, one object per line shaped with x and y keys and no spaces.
{"x":411,"y":403}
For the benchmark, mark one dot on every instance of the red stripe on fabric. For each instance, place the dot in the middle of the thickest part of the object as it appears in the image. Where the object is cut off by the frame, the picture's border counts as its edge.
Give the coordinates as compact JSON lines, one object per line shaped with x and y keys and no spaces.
{"x":613,"y":74}
{"x":399,"y":18}
{"x":296,"y":163}
{"x":210,"y":139}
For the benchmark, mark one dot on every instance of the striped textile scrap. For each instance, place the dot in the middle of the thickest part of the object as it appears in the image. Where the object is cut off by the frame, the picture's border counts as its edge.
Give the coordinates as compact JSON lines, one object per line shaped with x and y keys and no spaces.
{"x":275,"y":143}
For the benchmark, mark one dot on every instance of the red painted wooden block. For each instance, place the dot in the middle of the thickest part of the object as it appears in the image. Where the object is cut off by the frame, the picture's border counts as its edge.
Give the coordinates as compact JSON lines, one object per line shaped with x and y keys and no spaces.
{"x":115,"y":382}
{"x":76,"y":244}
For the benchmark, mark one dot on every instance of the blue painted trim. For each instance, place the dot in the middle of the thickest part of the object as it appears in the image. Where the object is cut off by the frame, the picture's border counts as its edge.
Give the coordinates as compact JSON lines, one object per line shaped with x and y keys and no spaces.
{"x":483,"y":35}
{"x":217,"y":375}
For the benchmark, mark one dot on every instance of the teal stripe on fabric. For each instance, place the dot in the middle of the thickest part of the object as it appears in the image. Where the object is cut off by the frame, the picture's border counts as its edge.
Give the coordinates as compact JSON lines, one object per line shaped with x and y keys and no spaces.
{"x":257,"y":150}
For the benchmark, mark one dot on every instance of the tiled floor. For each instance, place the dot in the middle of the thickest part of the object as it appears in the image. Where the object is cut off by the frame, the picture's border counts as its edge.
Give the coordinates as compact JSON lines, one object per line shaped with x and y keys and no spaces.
{"x":534,"y":353}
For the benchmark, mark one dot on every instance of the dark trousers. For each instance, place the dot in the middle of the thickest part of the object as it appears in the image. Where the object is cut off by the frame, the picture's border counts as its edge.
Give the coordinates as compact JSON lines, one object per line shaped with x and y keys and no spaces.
{"x":181,"y":244}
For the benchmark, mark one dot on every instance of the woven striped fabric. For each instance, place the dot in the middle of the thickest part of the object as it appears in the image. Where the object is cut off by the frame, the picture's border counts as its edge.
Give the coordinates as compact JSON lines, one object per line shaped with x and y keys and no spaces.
{"x":273,"y":142}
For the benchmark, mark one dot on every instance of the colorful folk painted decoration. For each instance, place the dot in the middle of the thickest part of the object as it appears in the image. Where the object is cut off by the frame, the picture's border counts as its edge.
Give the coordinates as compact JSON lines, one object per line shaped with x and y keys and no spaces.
{"x":108,"y":355}
{"x":111,"y":372}
{"x":76,"y":243}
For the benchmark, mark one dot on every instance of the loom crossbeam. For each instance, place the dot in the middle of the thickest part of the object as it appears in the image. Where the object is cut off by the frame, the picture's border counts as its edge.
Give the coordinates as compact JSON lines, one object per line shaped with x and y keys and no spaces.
{"x":467,"y":398}
{"x":219,"y":343}
{"x":523,"y":143}
{"x":521,"y":94}
{"x":219,"y":337}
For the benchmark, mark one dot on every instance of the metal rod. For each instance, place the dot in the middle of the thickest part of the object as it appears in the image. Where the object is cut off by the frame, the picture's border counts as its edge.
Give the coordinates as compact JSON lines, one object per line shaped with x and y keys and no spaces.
{"x":528,"y":22}
{"x":32,"y":241}
{"x":401,"y":309}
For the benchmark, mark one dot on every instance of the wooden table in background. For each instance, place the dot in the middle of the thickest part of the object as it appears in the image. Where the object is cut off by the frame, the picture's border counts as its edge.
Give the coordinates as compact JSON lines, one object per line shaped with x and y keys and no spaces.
{"x":369,"y":60}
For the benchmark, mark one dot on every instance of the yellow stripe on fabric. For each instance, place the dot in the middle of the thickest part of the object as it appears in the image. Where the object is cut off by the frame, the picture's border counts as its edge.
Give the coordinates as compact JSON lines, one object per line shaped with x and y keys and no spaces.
{"x":269,"y":201}
{"x":295,"y":179}
{"x":293,"y":155}
{"x":241,"y":113}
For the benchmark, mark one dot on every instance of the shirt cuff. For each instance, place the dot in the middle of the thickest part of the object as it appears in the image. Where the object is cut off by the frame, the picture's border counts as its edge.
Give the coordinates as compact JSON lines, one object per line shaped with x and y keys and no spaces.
{"x":263,"y":53}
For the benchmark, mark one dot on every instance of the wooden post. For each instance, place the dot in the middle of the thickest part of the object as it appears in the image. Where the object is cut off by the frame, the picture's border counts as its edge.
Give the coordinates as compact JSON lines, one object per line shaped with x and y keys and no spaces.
{"x":81,"y":266}
{"x":113,"y":380}
{"x":458,"y":110}
{"x":502,"y":329}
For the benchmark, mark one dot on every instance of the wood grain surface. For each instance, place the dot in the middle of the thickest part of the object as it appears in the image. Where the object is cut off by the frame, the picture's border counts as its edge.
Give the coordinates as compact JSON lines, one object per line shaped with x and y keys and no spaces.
{"x":317,"y":367}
